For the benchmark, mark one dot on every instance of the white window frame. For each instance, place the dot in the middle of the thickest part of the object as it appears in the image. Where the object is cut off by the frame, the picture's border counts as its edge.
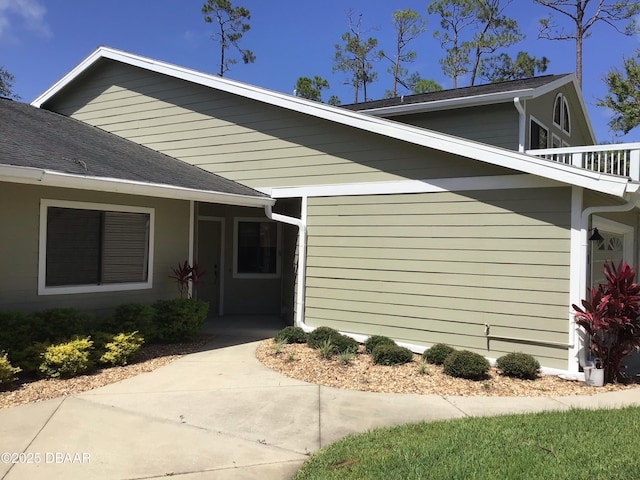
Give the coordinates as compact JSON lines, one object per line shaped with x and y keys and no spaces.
{"x":541,"y":125}
{"x":564,"y":109}
{"x":43,"y":289}
{"x":235,"y":272}
{"x":555,"y":139}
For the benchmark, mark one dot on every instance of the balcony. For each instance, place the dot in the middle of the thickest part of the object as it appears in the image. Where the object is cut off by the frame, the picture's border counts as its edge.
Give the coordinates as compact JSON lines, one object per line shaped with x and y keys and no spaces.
{"x":616,"y":159}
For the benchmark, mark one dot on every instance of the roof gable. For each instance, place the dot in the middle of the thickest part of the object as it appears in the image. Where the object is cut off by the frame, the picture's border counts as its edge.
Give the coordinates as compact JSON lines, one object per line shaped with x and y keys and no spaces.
{"x":406,"y":133}
{"x":35,"y":138}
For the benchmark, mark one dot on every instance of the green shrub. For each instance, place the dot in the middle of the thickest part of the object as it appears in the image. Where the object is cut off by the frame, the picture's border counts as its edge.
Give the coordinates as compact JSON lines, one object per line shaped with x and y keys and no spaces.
{"x":344,"y":344}
{"x":121,"y":348}
{"x":438,"y":353}
{"x":178,"y":320}
{"x":466,"y":364}
{"x":133,"y":317}
{"x":29,"y":358}
{"x":387,"y":354}
{"x":16,"y":333}
{"x":8,"y":373}
{"x":60,"y":324}
{"x":340,"y":343}
{"x":518,"y":365}
{"x":320,"y":335}
{"x":67,"y":359}
{"x":292,"y":335}
{"x":375,"y":340}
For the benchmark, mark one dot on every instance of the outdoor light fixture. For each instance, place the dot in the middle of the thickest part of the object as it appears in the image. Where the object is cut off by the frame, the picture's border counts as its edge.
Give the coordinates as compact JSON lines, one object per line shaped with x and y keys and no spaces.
{"x":595,"y":236}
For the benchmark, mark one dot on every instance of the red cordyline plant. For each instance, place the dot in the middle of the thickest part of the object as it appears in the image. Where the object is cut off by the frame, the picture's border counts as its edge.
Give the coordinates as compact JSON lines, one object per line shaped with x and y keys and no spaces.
{"x":610,"y":317}
{"x":185,"y":273}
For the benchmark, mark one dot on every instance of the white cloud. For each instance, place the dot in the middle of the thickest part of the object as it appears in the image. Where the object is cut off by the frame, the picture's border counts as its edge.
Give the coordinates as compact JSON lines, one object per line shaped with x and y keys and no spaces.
{"x":29,"y":14}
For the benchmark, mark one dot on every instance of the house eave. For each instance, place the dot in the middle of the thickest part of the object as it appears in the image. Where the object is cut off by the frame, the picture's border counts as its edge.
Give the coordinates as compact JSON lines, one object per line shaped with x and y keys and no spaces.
{"x":449,"y":104}
{"x":404,"y":132}
{"x":52,"y":178}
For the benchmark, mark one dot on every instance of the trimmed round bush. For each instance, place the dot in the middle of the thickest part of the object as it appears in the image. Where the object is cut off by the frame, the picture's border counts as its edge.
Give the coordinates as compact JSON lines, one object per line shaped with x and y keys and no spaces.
{"x":178,"y":320}
{"x":121,"y":348}
{"x":341,"y":343}
{"x":518,"y":365}
{"x":438,"y":353}
{"x":344,"y":344}
{"x":291,"y":334}
{"x":375,"y":340}
{"x":67,"y":359}
{"x":466,"y":364}
{"x":320,"y":335}
{"x":387,"y":354}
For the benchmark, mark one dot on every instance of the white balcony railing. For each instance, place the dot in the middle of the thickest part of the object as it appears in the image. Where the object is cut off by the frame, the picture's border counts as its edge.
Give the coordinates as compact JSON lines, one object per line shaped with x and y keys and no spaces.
{"x":616,"y":159}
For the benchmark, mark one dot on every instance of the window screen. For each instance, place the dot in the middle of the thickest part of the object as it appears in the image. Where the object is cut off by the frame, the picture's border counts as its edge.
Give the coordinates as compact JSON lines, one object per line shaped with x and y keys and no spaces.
{"x":90,"y":247}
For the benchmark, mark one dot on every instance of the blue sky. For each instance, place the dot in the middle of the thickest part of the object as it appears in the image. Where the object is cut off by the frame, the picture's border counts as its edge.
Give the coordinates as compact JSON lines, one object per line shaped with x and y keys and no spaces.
{"x":41,"y":40}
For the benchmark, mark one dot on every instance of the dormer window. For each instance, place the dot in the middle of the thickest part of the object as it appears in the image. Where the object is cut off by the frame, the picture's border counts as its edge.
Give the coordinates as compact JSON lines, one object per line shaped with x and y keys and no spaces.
{"x":561,"y":116}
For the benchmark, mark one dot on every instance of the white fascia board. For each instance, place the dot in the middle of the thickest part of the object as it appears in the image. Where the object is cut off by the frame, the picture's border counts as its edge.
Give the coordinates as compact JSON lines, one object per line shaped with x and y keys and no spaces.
{"x":449,"y":104}
{"x":571,"y":78}
{"x":493,"y":182}
{"x":496,"y":182}
{"x":408,"y":133}
{"x":50,"y":178}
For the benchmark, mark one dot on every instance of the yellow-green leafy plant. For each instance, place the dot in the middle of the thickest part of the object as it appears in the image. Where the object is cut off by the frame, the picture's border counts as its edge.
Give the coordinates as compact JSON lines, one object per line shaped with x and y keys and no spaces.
{"x":67,"y":359}
{"x":8,"y":373}
{"x":121,"y":348}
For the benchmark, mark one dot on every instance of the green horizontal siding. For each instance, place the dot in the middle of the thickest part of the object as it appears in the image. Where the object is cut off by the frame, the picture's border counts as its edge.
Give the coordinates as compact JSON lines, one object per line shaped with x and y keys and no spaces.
{"x":244,"y":140}
{"x":428,"y":268}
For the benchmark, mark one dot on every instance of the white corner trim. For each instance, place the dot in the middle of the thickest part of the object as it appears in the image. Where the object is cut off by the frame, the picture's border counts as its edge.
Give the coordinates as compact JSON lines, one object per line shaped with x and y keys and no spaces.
{"x":43,"y":289}
{"x":408,"y":133}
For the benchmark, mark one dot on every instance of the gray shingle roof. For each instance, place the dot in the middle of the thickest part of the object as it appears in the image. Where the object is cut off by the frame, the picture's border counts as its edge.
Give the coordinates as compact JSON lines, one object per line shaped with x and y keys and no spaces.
{"x":476,"y":90}
{"x":33,"y":137}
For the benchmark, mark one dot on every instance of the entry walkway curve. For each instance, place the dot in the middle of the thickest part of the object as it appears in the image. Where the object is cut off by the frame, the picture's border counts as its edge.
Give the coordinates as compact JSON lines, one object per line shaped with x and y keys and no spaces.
{"x":221,"y":414}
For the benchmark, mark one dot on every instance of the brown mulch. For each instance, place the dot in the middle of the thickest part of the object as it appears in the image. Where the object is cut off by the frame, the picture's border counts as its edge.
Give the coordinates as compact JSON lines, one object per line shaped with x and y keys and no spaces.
{"x":303,"y":363}
{"x":148,"y":359}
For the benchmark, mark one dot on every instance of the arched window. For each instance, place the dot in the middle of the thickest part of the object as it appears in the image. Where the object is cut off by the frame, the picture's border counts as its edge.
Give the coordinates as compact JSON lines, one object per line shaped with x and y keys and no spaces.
{"x":561,"y":115}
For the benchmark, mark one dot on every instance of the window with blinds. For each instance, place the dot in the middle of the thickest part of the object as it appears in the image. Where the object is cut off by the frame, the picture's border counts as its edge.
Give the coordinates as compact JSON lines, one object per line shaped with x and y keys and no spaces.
{"x":95,"y":247}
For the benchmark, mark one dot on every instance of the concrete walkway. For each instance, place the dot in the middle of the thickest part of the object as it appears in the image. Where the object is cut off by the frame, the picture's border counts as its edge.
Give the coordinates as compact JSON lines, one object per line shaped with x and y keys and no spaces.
{"x":220,"y":414}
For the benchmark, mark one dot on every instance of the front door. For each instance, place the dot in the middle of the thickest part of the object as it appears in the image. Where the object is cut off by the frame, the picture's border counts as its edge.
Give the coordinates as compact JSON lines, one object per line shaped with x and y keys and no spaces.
{"x":615,"y":246}
{"x":209,"y":256}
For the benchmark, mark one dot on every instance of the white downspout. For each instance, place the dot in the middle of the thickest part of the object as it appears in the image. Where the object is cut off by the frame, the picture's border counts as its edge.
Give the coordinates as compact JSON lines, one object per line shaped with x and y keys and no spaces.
{"x":521,"y":124}
{"x":301,"y":223}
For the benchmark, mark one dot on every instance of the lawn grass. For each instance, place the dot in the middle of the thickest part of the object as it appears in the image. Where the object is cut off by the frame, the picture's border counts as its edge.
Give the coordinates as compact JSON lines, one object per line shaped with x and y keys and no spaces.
{"x":575,"y":444}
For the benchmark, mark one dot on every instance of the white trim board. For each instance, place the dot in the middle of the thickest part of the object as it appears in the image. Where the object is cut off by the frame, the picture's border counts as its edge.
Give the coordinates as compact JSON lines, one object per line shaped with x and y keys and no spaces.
{"x":52,"y":178}
{"x":497,"y":182}
{"x":415,"y":135}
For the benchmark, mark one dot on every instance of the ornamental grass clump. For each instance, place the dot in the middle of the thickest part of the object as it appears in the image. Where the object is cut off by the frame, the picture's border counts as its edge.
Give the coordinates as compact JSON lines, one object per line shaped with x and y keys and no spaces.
{"x":292,"y":335}
{"x":518,"y":365}
{"x":611,"y":318}
{"x":438,"y":353}
{"x":466,"y":364}
{"x":386,"y":354}
{"x":321,"y":336}
{"x":375,"y":340}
